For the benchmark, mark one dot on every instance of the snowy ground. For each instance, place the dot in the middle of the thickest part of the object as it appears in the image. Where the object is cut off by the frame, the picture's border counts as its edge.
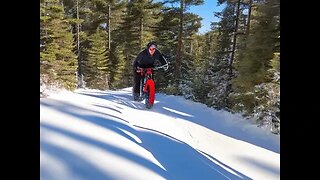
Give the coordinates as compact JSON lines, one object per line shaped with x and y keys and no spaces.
{"x":91,"y":134}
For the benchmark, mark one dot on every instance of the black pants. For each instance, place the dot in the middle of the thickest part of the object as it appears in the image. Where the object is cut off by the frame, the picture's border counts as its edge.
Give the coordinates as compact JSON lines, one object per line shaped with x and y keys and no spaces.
{"x":136,"y":82}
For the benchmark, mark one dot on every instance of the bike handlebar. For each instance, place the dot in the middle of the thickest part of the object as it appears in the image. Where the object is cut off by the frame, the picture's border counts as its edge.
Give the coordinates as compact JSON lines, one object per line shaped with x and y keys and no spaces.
{"x":165,"y":67}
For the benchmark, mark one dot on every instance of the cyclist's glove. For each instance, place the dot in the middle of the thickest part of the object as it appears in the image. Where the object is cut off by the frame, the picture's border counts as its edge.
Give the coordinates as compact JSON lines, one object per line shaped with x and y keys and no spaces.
{"x":138,"y":69}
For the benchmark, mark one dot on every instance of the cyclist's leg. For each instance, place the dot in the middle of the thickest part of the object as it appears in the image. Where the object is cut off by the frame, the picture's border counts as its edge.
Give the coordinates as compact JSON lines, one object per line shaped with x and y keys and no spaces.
{"x":136,"y":86}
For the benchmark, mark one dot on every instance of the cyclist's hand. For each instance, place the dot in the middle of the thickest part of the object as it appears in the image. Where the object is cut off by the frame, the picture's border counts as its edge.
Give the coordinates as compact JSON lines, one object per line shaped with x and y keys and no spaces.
{"x":138,"y":70}
{"x":165,"y":67}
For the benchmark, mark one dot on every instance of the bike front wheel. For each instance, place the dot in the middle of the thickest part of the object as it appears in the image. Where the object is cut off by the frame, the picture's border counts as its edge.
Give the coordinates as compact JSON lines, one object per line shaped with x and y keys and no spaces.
{"x":150,"y":93}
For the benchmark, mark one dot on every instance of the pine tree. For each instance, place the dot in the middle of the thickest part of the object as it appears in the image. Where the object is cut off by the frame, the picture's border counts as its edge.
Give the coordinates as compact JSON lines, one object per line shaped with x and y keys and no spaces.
{"x":256,"y":90}
{"x":117,"y":57}
{"x":58,"y":61}
{"x":175,"y":20}
{"x":184,"y":4}
{"x":96,"y":62}
{"x":218,"y":73}
{"x":204,"y":53}
{"x":191,"y":26}
{"x":165,"y":33}
{"x":137,"y":28}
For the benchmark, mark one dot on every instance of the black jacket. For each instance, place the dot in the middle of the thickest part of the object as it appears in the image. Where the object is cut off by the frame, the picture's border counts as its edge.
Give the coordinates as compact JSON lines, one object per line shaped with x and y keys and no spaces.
{"x":145,"y":60}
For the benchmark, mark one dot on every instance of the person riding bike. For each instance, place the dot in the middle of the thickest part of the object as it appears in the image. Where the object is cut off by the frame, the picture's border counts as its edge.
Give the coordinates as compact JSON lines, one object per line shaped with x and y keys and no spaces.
{"x":145,"y":59}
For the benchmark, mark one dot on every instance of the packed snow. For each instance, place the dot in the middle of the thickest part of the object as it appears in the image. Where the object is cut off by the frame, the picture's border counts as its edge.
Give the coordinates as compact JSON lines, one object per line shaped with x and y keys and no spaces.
{"x":93,"y":134}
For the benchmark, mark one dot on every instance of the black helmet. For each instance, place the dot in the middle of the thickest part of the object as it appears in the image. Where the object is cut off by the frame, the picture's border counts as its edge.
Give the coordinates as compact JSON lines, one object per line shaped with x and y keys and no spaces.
{"x":151,"y":43}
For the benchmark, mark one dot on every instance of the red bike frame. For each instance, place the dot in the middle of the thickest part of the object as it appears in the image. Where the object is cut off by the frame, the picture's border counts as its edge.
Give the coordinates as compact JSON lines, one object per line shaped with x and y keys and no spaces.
{"x":147,"y":86}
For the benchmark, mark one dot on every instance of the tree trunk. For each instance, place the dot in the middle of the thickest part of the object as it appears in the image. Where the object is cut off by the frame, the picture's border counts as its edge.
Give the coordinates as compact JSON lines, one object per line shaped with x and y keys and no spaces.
{"x":249,"y":17}
{"x":191,"y":48}
{"x":141,"y":32}
{"x":79,"y":73}
{"x":179,"y":46}
{"x":109,"y":27}
{"x":229,"y":85}
{"x":234,"y":38}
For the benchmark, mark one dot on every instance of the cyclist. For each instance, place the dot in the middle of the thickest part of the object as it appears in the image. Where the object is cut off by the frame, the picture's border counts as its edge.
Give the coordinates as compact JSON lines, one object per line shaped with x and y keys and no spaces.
{"x":146,"y":59}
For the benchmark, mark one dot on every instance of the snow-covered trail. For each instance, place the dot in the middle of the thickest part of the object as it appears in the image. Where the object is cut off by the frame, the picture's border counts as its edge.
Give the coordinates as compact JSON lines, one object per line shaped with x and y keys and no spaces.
{"x":91,"y":134}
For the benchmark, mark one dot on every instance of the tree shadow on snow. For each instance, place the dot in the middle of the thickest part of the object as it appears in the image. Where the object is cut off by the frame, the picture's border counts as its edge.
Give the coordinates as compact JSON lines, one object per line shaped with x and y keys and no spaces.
{"x":178,"y":110}
{"x":183,"y":161}
{"x":205,"y":118}
{"x":121,"y":98}
{"x":261,"y":164}
{"x":180,"y":160}
{"x":106,"y":147}
{"x":75,"y":166}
